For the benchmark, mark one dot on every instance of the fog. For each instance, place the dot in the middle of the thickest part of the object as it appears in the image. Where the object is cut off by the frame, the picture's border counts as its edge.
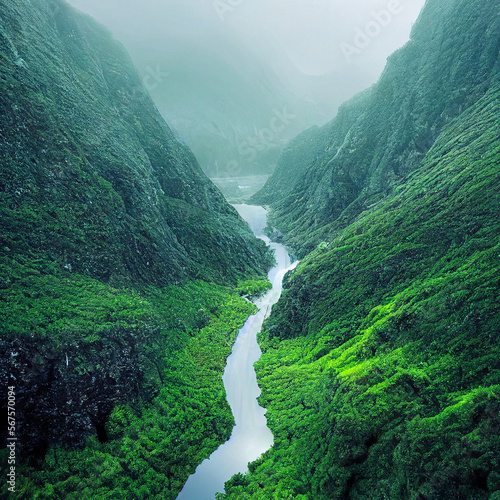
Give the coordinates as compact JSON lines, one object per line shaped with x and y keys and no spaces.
{"x":220,"y":71}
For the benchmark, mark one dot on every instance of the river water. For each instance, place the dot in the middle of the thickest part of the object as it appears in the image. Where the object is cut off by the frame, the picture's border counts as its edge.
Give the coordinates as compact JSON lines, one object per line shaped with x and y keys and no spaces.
{"x":251,"y":437}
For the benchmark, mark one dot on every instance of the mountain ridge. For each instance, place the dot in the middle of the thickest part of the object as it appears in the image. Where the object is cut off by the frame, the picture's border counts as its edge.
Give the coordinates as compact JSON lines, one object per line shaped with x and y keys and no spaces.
{"x":117,"y":253}
{"x":110,"y":135}
{"x":380,"y":366}
{"x":374,"y":142}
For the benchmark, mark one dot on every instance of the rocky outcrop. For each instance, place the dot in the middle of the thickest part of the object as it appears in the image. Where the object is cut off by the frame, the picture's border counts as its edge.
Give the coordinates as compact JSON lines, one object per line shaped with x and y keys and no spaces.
{"x":60,"y":400}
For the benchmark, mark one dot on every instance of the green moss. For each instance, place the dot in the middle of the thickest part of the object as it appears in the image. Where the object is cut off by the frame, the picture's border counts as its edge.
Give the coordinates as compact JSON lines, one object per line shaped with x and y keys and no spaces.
{"x":380,"y":369}
{"x":183,"y":335}
{"x":90,"y":174}
{"x":328,"y":177}
{"x":253,"y":288}
{"x":111,"y":240}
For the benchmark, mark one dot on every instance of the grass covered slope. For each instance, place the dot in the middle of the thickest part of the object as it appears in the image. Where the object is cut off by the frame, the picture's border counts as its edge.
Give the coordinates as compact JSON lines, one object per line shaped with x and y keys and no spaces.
{"x":91,"y":177}
{"x":300,"y":151}
{"x":381,"y":370}
{"x":382,"y":135}
{"x":145,"y":369}
{"x":119,"y":259}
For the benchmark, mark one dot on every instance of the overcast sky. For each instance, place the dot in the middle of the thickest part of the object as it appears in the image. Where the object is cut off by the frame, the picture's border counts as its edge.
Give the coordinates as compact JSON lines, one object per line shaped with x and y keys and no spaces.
{"x":337,"y":46}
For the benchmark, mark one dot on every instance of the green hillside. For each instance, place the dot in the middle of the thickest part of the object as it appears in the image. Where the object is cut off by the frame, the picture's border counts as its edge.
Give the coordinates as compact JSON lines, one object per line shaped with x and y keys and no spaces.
{"x":91,"y":176}
{"x":122,"y":271}
{"x":381,"y":365}
{"x":382,"y":135}
{"x":121,"y":267}
{"x":381,"y":370}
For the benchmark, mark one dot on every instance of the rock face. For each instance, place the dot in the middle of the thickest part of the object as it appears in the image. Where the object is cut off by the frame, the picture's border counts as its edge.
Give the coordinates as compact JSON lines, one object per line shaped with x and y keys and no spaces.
{"x":58,"y":400}
{"x":91,"y":176}
{"x":382,"y":135}
{"x":98,"y":202}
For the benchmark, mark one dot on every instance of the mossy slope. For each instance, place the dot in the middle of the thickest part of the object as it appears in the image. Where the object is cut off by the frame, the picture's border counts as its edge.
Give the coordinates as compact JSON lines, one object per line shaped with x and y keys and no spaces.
{"x":118,"y":262}
{"x":326,"y":179}
{"x":91,"y":177}
{"x":142,"y":369}
{"x":381,"y":369}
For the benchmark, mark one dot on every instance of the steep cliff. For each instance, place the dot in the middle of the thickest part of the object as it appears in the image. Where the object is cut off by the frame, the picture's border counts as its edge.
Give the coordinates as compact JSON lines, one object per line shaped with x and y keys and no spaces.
{"x":92,"y":178}
{"x":382,"y":135}
{"x":111,"y":236}
{"x":381,"y":368}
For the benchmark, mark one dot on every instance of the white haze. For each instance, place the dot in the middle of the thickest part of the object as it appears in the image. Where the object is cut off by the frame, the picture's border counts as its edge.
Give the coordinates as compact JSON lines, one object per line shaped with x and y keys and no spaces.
{"x":300,"y":39}
{"x":291,"y":54}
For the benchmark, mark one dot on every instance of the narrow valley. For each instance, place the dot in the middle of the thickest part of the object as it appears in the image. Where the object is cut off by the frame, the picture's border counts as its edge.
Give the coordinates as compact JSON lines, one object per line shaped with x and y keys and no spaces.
{"x":157,"y":340}
{"x":250,"y":437}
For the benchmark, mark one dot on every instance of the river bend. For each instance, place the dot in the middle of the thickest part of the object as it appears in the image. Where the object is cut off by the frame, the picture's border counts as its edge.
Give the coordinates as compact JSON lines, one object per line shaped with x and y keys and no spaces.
{"x":251,"y":437}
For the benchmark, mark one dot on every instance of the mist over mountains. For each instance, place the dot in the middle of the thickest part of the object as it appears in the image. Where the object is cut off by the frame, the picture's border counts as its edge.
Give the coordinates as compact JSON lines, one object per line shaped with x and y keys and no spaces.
{"x":221,"y":72}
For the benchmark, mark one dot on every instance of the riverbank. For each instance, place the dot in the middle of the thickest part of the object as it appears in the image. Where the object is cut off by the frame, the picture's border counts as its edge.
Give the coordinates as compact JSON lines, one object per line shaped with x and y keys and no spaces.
{"x":251,"y":437}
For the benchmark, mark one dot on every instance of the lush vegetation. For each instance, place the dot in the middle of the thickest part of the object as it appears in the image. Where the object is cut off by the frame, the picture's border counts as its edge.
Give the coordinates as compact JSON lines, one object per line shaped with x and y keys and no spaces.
{"x":253,"y":288}
{"x":174,"y":413}
{"x":91,"y":177}
{"x":111,"y":239}
{"x":381,"y":369}
{"x":378,"y":138}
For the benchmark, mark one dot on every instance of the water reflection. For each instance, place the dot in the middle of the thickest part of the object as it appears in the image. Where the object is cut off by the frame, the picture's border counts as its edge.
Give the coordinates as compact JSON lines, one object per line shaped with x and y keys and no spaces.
{"x":251,"y":437}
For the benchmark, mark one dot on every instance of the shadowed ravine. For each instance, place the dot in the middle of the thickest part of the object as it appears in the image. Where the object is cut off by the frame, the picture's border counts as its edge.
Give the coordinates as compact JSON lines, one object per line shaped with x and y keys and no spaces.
{"x":250,"y":437}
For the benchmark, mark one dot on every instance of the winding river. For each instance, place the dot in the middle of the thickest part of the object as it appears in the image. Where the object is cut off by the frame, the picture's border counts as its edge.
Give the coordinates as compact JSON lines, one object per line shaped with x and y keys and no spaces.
{"x":251,"y":436}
